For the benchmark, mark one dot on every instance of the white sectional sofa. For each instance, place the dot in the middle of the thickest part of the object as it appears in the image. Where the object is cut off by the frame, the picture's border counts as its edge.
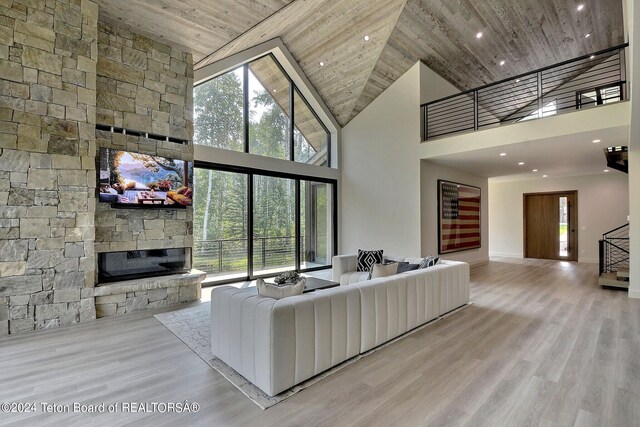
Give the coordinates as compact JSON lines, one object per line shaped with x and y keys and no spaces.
{"x":276,"y":344}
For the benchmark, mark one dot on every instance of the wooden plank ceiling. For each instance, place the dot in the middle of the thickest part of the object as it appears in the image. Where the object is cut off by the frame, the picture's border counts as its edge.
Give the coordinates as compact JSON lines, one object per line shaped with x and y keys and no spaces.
{"x":526,"y":34}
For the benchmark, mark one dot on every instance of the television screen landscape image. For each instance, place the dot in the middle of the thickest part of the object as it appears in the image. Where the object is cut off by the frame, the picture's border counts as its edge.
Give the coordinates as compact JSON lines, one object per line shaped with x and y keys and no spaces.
{"x":143,"y":180}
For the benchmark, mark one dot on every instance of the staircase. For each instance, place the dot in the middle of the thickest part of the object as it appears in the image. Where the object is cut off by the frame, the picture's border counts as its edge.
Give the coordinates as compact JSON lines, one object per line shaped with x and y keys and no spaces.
{"x":617,"y":158}
{"x":614,"y":258}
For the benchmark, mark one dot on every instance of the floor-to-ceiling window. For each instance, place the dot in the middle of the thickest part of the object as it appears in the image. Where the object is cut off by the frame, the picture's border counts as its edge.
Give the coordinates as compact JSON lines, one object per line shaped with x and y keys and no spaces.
{"x":220,"y":223}
{"x":250,"y":222}
{"x":316,"y":217}
{"x":274,"y":224}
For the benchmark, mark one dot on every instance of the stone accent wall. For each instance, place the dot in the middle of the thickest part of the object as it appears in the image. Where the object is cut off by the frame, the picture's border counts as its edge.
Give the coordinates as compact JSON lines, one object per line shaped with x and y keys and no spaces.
{"x":145,"y":86}
{"x":48,"y":55}
{"x":61,"y":72}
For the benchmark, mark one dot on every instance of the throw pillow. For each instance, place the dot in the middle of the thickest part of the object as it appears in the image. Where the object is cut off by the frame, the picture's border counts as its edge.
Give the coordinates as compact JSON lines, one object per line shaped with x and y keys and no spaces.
{"x":367,"y":258}
{"x":429,"y":261}
{"x":383,"y":270}
{"x":405,"y":266}
{"x":278,"y":292}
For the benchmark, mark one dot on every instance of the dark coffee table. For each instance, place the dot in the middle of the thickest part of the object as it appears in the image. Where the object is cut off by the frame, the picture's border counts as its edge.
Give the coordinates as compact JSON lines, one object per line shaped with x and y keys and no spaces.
{"x":314,"y":284}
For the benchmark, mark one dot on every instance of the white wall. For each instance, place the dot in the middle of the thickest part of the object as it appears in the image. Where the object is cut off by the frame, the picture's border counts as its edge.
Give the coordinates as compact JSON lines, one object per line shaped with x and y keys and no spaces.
{"x":430,"y":174}
{"x":633,"y":58}
{"x":380,"y":174}
{"x":432,"y":86}
{"x":603,"y":204}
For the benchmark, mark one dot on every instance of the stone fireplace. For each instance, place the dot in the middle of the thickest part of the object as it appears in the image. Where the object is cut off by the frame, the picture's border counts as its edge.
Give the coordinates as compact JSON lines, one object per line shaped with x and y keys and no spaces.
{"x":60,"y":83}
{"x":140,"y":264}
{"x":141,"y":279}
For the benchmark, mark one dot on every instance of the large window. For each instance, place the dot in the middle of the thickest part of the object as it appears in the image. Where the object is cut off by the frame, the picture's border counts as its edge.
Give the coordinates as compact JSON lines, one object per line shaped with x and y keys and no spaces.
{"x":274,"y":225}
{"x":220,"y":223}
{"x":251,"y":109}
{"x":310,"y":137}
{"x":268,"y":109}
{"x":218,"y":112}
{"x":316,"y":228}
{"x":248,"y":224}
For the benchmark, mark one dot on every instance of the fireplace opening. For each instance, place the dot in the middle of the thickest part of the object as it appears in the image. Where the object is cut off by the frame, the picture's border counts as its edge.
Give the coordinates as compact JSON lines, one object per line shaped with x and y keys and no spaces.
{"x":138,"y":264}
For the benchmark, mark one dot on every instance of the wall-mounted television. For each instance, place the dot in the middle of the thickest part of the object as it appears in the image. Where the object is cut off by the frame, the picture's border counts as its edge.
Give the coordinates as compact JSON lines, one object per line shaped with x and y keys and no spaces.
{"x":128,"y":179}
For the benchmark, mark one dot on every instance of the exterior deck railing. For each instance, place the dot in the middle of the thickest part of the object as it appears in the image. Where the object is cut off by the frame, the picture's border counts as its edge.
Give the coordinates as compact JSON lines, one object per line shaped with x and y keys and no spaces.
{"x":579,"y":83}
{"x":230,"y":255}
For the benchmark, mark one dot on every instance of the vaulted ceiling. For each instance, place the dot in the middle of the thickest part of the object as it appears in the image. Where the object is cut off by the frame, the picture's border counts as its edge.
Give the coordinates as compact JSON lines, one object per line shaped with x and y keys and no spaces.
{"x":526,"y":34}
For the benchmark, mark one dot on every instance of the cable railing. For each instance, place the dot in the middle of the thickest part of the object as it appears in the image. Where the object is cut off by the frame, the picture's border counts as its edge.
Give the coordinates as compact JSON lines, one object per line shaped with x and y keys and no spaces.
{"x":580,"y":83}
{"x":614,"y":250}
{"x":222,"y":256}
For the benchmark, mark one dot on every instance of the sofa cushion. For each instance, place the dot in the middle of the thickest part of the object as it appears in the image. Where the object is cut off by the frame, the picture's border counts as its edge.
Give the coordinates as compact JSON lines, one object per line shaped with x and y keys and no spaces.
{"x":280,"y":291}
{"x":351,"y":277}
{"x":405,"y":266}
{"x":383,"y":270}
{"x":367,"y":258}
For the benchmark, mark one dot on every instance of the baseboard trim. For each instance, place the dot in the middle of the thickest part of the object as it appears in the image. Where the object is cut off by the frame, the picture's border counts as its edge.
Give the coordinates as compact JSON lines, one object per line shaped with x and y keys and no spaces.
{"x":504,"y":255}
{"x":633,"y":293}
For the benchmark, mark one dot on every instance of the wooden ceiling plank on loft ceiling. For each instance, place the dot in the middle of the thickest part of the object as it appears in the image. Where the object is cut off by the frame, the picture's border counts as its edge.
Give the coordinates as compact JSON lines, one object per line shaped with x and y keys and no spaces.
{"x":347,"y":55}
{"x":535,"y":32}
{"x":268,"y":29}
{"x":198,"y":26}
{"x":529,"y":34}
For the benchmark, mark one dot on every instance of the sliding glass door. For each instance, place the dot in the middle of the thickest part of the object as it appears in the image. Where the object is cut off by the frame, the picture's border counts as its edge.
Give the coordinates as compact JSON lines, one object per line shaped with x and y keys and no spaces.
{"x":274,"y":225}
{"x":316,"y":207}
{"x":220,"y":223}
{"x":248,"y":224}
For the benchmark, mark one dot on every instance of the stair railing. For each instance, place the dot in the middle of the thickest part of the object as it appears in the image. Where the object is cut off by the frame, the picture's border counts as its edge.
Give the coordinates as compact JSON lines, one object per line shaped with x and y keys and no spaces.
{"x":614,"y":250}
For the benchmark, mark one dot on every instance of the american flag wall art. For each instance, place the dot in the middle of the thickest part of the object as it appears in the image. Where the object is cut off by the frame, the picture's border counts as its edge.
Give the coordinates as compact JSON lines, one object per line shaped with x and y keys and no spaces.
{"x":458,"y":217}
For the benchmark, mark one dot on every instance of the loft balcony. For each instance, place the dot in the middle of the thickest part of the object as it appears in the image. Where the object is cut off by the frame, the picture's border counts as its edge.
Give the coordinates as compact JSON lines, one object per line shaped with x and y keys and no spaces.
{"x":586,"y":82}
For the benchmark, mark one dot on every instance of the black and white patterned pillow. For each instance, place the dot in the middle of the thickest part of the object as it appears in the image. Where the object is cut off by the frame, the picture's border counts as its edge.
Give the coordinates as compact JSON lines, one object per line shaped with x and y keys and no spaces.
{"x":367,"y":258}
{"x":429,"y":261}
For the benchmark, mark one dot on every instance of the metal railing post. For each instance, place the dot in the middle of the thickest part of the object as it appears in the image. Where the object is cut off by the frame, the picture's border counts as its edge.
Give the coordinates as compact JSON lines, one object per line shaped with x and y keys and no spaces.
{"x":220,"y":256}
{"x":539,"y":76}
{"x":475,"y":110}
{"x":264,"y":253}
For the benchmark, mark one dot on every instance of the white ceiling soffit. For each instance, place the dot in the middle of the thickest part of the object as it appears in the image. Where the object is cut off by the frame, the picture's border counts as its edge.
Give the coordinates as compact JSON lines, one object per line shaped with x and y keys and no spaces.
{"x":567,"y":155}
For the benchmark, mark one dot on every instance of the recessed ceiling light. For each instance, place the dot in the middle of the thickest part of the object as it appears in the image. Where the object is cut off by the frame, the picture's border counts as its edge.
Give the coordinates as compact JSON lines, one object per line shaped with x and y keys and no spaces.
{"x":517,"y":80}
{"x":366,"y":38}
{"x":580,"y":7}
{"x":595,"y":141}
{"x":503,"y":62}
{"x":521,"y":163}
{"x":592,"y":56}
{"x":503,"y":154}
{"x":479,"y":35}
{"x":535,"y":170}
{"x":586,"y":36}
{"x":606,"y":170}
{"x":321,"y":64}
{"x":275,"y":90}
{"x":544,"y":176}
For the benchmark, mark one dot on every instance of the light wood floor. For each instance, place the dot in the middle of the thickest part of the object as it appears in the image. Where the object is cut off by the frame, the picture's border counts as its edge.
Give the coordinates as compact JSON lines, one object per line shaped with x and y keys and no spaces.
{"x":541,"y":345}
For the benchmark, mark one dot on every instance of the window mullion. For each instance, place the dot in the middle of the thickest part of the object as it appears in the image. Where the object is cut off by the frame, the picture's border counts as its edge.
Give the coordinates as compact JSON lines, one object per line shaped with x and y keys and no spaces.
{"x":291,"y":122}
{"x":245,"y":113}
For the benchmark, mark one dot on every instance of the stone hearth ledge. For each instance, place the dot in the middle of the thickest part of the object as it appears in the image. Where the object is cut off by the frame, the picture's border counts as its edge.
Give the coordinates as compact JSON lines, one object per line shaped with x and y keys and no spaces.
{"x":119,"y":298}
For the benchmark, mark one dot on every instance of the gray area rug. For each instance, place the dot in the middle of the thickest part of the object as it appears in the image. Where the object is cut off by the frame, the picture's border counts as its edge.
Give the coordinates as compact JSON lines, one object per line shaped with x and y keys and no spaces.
{"x":191,"y":326}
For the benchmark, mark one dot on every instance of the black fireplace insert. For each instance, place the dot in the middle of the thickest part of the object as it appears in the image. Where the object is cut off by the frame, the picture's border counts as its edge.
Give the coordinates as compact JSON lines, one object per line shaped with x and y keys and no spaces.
{"x":127,"y":265}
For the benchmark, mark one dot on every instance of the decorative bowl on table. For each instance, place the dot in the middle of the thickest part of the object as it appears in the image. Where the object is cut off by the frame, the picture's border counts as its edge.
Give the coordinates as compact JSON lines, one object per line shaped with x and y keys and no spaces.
{"x":288,"y":277}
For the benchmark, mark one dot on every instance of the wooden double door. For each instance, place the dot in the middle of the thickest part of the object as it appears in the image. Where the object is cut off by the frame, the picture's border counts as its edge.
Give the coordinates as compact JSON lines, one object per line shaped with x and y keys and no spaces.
{"x":550,"y":223}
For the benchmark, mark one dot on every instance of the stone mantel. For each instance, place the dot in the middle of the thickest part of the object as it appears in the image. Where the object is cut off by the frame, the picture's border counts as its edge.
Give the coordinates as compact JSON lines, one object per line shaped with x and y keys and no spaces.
{"x":150,"y":292}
